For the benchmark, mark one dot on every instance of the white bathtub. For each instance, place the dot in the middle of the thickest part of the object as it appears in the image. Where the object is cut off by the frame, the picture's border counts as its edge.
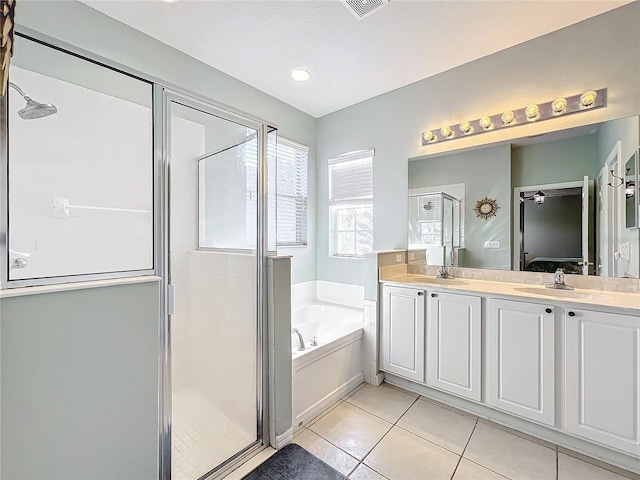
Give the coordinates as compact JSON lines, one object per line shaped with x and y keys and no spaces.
{"x":326,"y":321}
{"x":324,"y":373}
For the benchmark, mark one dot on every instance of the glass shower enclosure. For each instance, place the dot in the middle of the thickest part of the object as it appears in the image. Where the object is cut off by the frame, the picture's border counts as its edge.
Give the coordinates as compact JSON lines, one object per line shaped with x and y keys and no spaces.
{"x":434,"y":227}
{"x":216,"y":247}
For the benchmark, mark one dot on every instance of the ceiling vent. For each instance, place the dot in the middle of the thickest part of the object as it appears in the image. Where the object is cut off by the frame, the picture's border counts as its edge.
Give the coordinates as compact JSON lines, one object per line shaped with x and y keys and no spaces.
{"x":364,"y":8}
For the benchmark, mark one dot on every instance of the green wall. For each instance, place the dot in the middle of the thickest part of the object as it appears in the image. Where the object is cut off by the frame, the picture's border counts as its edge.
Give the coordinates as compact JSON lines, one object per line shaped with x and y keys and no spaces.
{"x":79,"y":379}
{"x":555,"y":162}
{"x":485,"y":173}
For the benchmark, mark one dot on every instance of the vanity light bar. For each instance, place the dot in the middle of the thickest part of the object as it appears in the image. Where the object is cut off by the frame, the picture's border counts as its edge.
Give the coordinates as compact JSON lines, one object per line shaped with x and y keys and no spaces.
{"x":581,"y":102}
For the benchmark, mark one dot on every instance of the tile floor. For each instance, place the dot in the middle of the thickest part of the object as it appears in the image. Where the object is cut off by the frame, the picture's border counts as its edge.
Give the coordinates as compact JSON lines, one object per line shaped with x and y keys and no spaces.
{"x":384,"y":432}
{"x":202,"y":437}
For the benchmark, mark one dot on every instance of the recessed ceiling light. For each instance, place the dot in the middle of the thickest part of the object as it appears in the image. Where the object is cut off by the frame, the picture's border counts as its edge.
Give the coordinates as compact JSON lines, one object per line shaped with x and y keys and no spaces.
{"x":300,"y":75}
{"x":169,"y":1}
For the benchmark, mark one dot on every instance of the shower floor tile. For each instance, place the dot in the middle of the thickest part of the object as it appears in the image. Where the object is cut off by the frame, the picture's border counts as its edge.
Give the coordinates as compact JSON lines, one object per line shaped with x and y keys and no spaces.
{"x":202,"y":436}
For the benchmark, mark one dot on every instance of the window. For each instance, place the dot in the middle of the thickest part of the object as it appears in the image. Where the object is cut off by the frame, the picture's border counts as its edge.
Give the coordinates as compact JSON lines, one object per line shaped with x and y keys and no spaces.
{"x":351,"y":204}
{"x":292,"y":193}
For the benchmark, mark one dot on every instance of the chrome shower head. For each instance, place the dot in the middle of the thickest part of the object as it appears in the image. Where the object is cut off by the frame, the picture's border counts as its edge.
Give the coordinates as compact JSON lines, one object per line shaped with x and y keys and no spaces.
{"x":33,"y":109}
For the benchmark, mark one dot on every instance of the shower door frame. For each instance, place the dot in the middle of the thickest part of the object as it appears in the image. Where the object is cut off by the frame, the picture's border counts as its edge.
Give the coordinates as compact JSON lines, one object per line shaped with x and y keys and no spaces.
{"x":163,"y":97}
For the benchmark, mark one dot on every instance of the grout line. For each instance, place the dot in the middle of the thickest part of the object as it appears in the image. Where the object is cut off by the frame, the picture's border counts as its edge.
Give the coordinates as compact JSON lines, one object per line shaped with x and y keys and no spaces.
{"x":355,"y":468}
{"x":360,"y":462}
{"x":315,"y":419}
{"x":383,"y":419}
{"x":429,"y":441}
{"x":557,"y":464}
{"x":464,"y":450}
{"x":392,"y":425}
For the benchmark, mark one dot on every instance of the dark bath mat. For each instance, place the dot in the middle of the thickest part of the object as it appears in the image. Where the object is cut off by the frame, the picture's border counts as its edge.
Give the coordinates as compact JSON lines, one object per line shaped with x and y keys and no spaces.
{"x":294,"y":463}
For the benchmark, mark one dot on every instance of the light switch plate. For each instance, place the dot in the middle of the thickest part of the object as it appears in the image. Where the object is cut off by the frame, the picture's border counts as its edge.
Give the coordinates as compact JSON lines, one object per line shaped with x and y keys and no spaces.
{"x":412,"y":256}
{"x":398,"y":258}
{"x":492,"y":244}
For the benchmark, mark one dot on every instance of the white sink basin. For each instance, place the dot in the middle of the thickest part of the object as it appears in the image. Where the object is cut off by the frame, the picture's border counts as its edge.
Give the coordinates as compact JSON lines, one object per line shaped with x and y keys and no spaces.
{"x":550,"y":292}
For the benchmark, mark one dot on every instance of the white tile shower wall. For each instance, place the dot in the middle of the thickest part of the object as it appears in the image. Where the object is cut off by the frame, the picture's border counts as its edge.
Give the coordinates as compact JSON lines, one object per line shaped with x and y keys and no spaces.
{"x":187,"y":143}
{"x":340,"y":293}
{"x":96,"y":151}
{"x":223,"y":333}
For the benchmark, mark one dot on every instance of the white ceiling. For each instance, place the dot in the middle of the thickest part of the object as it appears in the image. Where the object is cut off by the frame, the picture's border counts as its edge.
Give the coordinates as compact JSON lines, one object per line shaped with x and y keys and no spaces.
{"x":350,"y":60}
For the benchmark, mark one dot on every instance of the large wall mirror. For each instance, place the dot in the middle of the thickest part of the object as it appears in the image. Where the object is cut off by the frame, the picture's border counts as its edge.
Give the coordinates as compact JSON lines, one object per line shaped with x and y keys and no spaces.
{"x":567,"y":199}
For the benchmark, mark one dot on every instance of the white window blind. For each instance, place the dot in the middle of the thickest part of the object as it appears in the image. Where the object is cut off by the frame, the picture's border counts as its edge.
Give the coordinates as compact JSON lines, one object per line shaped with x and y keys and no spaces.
{"x":292,"y":193}
{"x":351,"y":204}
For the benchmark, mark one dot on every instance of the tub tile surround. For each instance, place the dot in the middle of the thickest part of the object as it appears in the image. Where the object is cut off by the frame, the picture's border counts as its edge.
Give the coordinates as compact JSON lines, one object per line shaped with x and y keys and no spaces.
{"x":423,"y":439}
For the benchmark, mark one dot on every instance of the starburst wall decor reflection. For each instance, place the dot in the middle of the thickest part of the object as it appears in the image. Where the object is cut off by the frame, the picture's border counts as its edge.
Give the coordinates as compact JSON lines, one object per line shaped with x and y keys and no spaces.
{"x":486,"y":208}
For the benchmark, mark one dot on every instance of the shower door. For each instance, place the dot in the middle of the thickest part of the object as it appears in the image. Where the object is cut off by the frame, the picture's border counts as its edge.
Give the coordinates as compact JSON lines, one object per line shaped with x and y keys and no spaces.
{"x":216,"y":241}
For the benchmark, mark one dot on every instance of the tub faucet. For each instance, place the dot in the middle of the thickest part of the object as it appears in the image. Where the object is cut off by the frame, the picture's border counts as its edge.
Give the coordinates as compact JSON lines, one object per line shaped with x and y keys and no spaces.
{"x":558,"y":282}
{"x":301,"y":346}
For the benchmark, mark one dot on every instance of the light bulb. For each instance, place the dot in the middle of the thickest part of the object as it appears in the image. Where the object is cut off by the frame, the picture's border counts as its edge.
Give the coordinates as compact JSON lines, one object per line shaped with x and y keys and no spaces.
{"x":539,"y":197}
{"x":429,"y":136}
{"x":466,"y":128}
{"x":486,"y":123}
{"x":559,"y":106}
{"x":532,"y":112}
{"x":508,"y":117}
{"x":447,"y":132}
{"x":588,"y":99}
{"x":300,"y":75}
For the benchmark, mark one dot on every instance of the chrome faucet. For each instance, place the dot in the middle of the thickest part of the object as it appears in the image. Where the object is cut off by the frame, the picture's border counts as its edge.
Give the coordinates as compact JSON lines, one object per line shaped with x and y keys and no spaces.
{"x":301,"y":346}
{"x":443,"y":272}
{"x":558,"y":282}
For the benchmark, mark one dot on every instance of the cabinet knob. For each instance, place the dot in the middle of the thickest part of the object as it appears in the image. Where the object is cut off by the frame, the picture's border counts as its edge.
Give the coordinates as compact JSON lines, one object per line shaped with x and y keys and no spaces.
{"x":433,"y":295}
{"x":572,"y":314}
{"x":420,"y":293}
{"x":548,"y":310}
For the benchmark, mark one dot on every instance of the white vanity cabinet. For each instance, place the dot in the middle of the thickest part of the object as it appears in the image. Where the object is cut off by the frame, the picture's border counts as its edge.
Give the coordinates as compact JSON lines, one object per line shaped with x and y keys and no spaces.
{"x":520,"y":359}
{"x":402,"y":332}
{"x":454,"y":341}
{"x":602,"y":378}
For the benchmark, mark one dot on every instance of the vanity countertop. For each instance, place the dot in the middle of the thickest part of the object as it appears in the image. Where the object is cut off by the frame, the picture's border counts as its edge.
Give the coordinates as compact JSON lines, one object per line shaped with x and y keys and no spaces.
{"x":626,"y":303}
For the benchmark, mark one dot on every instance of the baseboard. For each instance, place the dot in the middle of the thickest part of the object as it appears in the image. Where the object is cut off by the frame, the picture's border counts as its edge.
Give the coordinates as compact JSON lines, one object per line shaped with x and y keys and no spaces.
{"x":284,"y":439}
{"x":321,"y":405}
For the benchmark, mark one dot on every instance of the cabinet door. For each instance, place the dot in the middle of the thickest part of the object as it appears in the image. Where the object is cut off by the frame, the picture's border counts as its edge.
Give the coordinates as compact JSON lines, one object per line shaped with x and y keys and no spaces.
{"x":602,"y":378}
{"x":520,"y":359}
{"x":453,"y":344}
{"x":402,"y":342}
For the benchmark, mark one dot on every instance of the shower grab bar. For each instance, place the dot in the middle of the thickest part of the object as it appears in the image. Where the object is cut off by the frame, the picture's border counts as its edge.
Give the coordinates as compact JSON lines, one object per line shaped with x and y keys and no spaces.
{"x":61,"y":208}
